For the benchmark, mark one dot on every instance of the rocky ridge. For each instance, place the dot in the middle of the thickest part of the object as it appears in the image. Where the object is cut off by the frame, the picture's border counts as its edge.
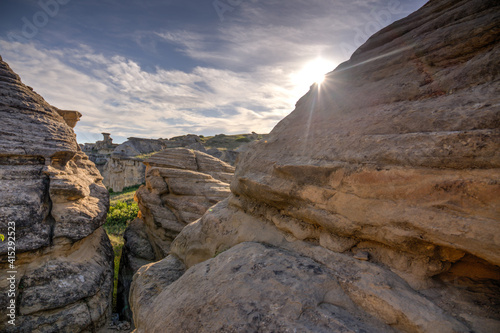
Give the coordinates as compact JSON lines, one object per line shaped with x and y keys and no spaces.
{"x":121,"y":165}
{"x":54,"y":197}
{"x":374,"y":206}
{"x":181,"y":185}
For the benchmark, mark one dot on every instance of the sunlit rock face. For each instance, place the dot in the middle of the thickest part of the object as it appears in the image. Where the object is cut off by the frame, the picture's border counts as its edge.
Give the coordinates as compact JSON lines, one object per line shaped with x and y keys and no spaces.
{"x":124,"y":167}
{"x":374,"y":206}
{"x":399,"y":147}
{"x":181,"y":185}
{"x":54,"y":197}
{"x":120,"y":172}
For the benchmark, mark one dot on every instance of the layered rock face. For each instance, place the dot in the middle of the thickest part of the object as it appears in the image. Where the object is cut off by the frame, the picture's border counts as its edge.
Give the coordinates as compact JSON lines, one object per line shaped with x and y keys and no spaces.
{"x":53,"y":196}
{"x":121,"y":165}
{"x":181,"y":185}
{"x":137,"y":146}
{"x":124,"y":165}
{"x":374,"y":206}
{"x":122,"y":171}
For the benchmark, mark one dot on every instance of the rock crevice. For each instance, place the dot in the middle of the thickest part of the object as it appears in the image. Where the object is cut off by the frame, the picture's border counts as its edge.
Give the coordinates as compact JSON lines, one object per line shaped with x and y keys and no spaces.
{"x":181,"y":185}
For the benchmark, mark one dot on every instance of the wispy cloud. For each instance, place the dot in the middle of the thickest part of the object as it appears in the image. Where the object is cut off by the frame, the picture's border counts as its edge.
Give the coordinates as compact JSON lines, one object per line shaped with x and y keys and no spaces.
{"x":116,"y":95}
{"x":241,"y":75}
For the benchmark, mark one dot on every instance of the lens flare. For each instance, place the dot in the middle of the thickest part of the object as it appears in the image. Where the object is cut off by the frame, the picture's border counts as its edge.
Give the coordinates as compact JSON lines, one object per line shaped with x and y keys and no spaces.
{"x":313,"y":72}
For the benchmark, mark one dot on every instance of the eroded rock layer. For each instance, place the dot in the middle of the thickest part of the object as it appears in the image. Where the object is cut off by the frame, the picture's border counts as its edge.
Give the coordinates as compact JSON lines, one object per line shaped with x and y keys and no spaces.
{"x":121,"y":172}
{"x":181,"y":185}
{"x":374,"y":206}
{"x":53,"y":196}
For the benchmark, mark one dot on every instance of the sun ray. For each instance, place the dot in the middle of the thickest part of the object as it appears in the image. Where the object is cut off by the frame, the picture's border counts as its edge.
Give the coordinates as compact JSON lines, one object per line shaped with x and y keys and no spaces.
{"x":312,"y":72}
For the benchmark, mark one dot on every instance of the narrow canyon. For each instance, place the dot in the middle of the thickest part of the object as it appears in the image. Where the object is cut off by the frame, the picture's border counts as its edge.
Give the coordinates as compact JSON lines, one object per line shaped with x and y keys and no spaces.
{"x":373,"y":207}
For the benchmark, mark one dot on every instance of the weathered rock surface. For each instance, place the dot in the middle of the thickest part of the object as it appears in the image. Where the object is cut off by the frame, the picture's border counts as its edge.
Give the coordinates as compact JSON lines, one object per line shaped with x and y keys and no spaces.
{"x":374,"y":206}
{"x":181,"y":185}
{"x":123,"y":165}
{"x":137,"y":146}
{"x":122,"y":171}
{"x":53,"y":196}
{"x":100,"y":151}
{"x":70,"y":117}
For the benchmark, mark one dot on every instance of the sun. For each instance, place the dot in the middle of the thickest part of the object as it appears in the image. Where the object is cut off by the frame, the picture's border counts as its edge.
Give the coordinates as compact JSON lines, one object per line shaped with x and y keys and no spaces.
{"x":313,"y":72}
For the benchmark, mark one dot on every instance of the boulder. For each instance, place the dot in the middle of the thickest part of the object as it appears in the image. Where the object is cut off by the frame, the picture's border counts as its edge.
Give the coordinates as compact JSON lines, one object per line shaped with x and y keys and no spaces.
{"x":181,"y":185}
{"x":374,"y":206}
{"x":53,"y":202}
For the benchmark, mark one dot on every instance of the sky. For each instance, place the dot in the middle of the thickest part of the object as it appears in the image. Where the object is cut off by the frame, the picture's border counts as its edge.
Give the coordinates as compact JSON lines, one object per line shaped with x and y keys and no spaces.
{"x":162,"y":68}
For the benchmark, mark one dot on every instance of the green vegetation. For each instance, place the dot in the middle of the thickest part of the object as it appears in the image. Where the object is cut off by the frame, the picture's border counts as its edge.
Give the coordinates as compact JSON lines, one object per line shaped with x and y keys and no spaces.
{"x":243,"y":139}
{"x":219,"y":251}
{"x":127,"y":195}
{"x":230,"y":142}
{"x":117,"y":243}
{"x":121,"y":212}
{"x":144,"y":156}
{"x":123,"y":209}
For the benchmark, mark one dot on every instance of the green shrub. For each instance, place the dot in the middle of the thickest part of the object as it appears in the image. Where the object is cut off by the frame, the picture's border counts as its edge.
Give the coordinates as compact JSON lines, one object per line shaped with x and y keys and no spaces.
{"x":243,"y":139}
{"x":117,"y":243}
{"x":122,"y":212}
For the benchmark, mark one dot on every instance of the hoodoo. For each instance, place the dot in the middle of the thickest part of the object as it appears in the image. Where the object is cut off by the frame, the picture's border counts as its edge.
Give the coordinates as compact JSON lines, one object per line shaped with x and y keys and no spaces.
{"x":52,"y":203}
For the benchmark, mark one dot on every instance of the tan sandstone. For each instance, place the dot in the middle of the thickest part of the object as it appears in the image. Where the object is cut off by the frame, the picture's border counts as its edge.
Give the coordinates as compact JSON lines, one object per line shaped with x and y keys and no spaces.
{"x":181,"y":185}
{"x":374,"y":206}
{"x":54,"y":196}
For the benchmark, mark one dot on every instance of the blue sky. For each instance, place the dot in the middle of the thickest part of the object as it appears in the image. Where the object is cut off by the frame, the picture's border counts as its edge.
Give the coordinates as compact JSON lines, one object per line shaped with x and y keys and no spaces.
{"x":162,"y":68}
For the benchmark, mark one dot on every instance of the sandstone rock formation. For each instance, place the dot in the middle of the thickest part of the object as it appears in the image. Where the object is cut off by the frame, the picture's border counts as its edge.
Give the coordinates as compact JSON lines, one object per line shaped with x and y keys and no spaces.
{"x":122,"y":171}
{"x":228,"y":156}
{"x":138,"y":146}
{"x":181,"y":185}
{"x":184,"y":141}
{"x":70,"y":117}
{"x":100,"y":151}
{"x":53,"y":196}
{"x":124,"y":165}
{"x":121,"y":165}
{"x":373,"y":207}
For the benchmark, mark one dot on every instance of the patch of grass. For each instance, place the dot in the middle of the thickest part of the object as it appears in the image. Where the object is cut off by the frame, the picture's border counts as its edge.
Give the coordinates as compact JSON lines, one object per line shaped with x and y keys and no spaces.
{"x":119,"y":216}
{"x":204,"y":139}
{"x":243,"y":139}
{"x":144,"y":156}
{"x":117,"y":243}
{"x":230,"y":142}
{"x":116,"y":230}
{"x":127,"y":195}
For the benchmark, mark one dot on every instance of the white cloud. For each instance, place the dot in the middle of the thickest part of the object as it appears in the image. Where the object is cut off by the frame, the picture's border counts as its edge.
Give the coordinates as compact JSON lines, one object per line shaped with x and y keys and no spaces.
{"x":115,"y":95}
{"x":259,"y":33}
{"x":249,"y":80}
